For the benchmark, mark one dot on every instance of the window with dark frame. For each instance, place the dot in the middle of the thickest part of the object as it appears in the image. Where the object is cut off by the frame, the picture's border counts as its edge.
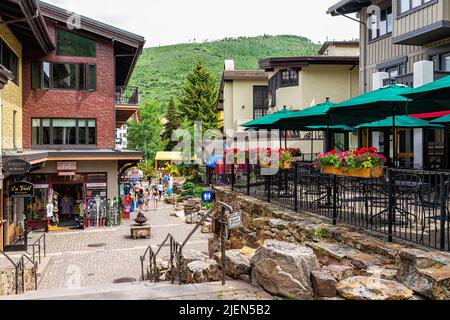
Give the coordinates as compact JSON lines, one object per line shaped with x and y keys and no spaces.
{"x":395,"y":70}
{"x":441,"y":61}
{"x":70,"y":44}
{"x":408,"y":5}
{"x":64,"y":76}
{"x":9,"y":60}
{"x":381,"y":26}
{"x":63,"y":132}
{"x":260,"y":101}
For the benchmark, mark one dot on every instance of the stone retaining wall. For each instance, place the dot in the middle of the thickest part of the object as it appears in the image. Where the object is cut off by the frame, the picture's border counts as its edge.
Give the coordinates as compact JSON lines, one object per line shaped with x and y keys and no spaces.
{"x":425,"y":271}
{"x":8,"y":280}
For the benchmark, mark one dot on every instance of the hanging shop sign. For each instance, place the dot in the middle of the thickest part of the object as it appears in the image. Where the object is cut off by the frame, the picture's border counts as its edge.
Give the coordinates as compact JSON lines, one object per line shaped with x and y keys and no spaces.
{"x":66,"y":174}
{"x":17,"y":167}
{"x":135,"y":174}
{"x":96,"y":185}
{"x":66,"y":166}
{"x":21,"y":189}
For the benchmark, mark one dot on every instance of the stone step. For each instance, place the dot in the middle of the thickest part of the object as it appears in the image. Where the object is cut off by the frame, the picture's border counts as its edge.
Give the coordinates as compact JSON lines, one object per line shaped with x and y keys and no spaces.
{"x":140,"y":291}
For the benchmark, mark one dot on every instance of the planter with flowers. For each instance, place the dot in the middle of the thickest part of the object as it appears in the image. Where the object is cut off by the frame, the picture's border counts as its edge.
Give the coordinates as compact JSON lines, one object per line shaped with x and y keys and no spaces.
{"x":285,"y":159}
{"x":296,"y":154}
{"x":363,"y":163}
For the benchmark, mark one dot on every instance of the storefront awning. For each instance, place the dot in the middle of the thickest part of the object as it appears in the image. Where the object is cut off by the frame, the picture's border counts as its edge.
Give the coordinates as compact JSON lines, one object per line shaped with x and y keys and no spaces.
{"x":168,"y":156}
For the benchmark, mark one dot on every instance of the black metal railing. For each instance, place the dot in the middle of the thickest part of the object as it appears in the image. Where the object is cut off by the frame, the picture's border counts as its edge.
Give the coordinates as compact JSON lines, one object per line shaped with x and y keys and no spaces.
{"x":38,"y":247}
{"x":20,"y":268}
{"x":411,"y":205}
{"x":176,"y":258}
{"x":408,"y":79}
{"x":127,"y":95}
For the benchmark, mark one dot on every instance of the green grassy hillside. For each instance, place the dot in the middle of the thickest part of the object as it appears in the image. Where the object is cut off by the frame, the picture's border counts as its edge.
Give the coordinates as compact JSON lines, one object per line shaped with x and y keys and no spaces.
{"x":161,"y":70}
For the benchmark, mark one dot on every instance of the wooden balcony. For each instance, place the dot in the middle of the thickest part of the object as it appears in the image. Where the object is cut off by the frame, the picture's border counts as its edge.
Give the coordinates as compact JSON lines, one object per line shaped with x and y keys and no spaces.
{"x":126,"y":104}
{"x":408,"y":79}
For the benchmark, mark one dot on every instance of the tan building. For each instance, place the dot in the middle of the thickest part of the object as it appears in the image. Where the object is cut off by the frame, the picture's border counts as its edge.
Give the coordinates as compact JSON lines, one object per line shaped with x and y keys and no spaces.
{"x":243,"y":97}
{"x":405,"y":42}
{"x":408,"y":32}
{"x":340,"y":48}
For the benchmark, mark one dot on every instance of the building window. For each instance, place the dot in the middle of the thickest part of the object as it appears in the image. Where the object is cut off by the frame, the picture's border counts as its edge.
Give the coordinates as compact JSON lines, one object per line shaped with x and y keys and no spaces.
{"x":72,"y":45}
{"x":260,"y":101}
{"x":65,"y":76}
{"x":408,"y":5}
{"x":259,"y":113}
{"x":9,"y":60}
{"x":395,"y":70}
{"x":289,"y":78}
{"x":441,"y":61}
{"x":385,"y":24}
{"x":63,"y":132}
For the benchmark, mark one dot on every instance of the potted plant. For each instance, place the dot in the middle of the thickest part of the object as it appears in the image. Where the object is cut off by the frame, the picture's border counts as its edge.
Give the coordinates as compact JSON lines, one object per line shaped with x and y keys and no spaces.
{"x":296,"y":153}
{"x":285,"y":159}
{"x":363,"y":163}
{"x":265,"y":157}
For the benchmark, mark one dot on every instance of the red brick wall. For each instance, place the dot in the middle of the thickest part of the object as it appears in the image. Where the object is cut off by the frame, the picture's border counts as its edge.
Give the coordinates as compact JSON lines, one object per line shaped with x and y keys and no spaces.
{"x":97,"y":105}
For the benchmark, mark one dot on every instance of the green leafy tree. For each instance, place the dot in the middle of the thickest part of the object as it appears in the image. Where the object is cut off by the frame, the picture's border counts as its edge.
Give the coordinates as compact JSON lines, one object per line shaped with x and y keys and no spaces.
{"x":172,"y":124}
{"x":199,"y":97}
{"x":145,"y":136}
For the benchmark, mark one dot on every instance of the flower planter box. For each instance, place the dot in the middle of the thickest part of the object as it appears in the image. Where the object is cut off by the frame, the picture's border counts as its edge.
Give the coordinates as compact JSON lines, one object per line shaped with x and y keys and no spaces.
{"x":287,"y":165}
{"x":367,"y":173}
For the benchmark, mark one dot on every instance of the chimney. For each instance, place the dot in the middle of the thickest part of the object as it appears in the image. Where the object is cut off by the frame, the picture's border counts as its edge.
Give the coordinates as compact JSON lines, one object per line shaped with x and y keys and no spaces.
{"x":423,"y":73}
{"x":229,"y":65}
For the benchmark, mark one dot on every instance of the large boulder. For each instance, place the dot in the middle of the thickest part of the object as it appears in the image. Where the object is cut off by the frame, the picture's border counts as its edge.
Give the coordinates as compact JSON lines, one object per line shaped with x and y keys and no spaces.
{"x":372,"y":288}
{"x":202,"y":271}
{"x":427,"y":273}
{"x":284,"y":269}
{"x":324,"y":284}
{"x":237,"y":262}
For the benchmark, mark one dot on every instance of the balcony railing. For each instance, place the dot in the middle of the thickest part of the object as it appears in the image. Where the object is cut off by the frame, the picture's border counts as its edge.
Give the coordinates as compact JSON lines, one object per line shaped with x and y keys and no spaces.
{"x":408,"y":79}
{"x":127,"y":95}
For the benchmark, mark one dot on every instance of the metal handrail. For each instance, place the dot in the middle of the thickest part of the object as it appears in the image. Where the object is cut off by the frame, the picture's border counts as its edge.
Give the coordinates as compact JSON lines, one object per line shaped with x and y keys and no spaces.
{"x":177,"y":249}
{"x":37,"y":244}
{"x":19,"y":270}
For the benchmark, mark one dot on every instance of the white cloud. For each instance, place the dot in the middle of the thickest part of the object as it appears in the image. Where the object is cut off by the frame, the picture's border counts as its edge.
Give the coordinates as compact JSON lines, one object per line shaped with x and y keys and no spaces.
{"x":164,"y":22}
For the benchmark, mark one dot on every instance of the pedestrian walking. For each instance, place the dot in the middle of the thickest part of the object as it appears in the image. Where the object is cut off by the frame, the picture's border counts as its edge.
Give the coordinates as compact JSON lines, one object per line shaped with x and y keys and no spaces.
{"x":160,"y":190}
{"x":140,"y":199}
{"x":155,"y":198}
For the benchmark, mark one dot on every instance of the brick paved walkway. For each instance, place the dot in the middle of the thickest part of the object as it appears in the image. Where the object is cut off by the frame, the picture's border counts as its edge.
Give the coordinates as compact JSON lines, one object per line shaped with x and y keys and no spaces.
{"x":74,"y":264}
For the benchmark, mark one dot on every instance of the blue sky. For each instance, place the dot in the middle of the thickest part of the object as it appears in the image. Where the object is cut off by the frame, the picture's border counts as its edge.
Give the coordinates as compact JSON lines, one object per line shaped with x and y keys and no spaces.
{"x":164,"y":22}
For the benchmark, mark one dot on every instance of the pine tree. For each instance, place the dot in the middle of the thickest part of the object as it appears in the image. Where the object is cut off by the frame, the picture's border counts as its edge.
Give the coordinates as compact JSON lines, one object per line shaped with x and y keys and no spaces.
{"x":145,"y":136}
{"x":199,"y":97}
{"x":172,"y":124}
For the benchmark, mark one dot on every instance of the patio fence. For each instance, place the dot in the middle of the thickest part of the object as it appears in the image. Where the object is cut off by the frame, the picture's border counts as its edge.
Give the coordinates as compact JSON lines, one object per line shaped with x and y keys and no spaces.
{"x":411,"y":205}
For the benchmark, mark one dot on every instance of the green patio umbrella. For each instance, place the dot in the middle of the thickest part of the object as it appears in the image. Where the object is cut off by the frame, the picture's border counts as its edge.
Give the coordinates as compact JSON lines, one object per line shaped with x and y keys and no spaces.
{"x":444,"y":119}
{"x":337,"y":128}
{"x":400,"y":122}
{"x":437,"y":91}
{"x":313,"y":116}
{"x":378,"y":104}
{"x":267,"y":122}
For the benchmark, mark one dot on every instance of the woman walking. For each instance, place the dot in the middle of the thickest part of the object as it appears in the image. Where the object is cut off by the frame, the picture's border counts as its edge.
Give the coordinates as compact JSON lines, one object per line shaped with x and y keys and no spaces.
{"x":155,"y":198}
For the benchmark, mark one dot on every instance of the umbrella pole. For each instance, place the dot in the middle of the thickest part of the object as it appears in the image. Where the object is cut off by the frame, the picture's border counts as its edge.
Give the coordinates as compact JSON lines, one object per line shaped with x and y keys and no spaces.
{"x":328,"y":144}
{"x":394,"y":137}
{"x":312,"y":146}
{"x":279,"y":132}
{"x":285,"y":139}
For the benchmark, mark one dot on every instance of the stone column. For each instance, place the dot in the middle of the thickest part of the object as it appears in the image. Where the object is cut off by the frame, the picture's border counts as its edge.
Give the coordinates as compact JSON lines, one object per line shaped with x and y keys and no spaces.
{"x":423,"y":74}
{"x":378,"y":80}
